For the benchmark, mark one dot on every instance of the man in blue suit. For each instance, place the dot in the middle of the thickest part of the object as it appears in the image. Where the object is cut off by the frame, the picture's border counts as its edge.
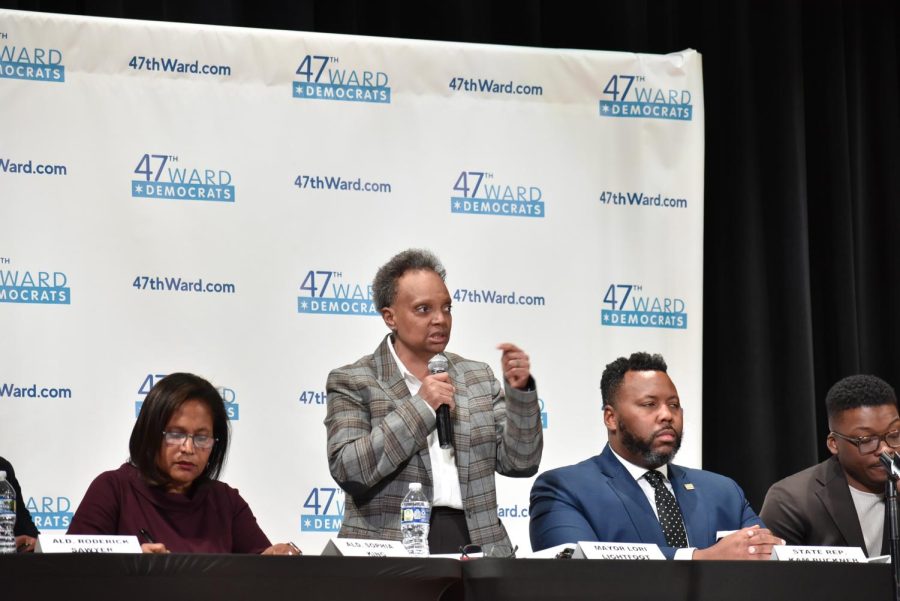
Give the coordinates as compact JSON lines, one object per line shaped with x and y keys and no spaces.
{"x":632,"y":493}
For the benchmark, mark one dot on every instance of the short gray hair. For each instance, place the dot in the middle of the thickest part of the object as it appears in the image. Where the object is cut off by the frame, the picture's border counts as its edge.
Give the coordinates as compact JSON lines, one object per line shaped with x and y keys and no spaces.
{"x":384,"y":286}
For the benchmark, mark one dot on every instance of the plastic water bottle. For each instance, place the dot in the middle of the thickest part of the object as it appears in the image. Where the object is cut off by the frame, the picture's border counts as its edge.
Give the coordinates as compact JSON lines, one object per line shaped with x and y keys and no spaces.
{"x":415,"y":516}
{"x":7,"y":515}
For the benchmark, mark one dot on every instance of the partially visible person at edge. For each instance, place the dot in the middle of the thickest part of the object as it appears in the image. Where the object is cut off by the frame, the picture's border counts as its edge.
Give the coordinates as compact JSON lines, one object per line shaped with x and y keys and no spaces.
{"x":168,"y":493}
{"x":24,"y":530}
{"x":840,"y":502}
{"x":381,"y":419}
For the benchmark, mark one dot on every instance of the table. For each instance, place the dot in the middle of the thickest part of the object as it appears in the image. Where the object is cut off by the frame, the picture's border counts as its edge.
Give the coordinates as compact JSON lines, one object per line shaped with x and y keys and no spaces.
{"x":94,"y":577}
{"x":571,"y":579}
{"x":257,"y":578}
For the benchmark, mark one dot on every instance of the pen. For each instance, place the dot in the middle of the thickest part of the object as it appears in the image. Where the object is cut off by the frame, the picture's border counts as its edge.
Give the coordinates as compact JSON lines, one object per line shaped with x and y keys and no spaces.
{"x":146,"y":535}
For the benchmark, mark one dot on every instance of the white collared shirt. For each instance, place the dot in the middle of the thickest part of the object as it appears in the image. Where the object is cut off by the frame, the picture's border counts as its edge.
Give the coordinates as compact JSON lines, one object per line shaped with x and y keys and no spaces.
{"x":637,"y":472}
{"x":444,"y":475}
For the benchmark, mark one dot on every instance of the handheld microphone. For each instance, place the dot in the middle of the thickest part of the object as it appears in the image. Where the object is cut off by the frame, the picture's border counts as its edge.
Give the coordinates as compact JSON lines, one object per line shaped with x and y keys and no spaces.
{"x":438,"y":365}
{"x":890,"y":464}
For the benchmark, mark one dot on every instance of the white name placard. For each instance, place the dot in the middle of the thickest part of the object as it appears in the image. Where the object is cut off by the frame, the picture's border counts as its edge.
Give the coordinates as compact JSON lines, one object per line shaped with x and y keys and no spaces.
{"x":362,"y":547}
{"x":595,"y":550}
{"x":87,"y":543}
{"x":810,"y":553}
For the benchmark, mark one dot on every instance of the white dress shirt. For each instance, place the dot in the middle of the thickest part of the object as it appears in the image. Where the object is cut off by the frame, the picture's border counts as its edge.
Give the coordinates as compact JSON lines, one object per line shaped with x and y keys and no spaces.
{"x":637,"y":472}
{"x":445,"y":477}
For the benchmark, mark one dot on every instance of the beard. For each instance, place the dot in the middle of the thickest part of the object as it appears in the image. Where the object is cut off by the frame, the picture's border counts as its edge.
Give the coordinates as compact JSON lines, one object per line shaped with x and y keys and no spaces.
{"x":644,"y":448}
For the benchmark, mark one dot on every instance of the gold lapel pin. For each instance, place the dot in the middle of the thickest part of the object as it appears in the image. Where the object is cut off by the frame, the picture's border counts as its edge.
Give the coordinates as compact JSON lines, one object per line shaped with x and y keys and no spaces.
{"x":689,"y":486}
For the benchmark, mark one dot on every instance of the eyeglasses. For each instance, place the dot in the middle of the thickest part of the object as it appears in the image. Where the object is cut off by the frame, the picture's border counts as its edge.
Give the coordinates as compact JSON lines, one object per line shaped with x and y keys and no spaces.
{"x":870,"y":444}
{"x":201,"y":441}
{"x":498,"y":550}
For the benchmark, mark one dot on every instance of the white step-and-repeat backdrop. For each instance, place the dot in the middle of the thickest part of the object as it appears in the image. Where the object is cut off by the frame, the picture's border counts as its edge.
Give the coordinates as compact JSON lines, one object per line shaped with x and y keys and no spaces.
{"x":217,"y":200}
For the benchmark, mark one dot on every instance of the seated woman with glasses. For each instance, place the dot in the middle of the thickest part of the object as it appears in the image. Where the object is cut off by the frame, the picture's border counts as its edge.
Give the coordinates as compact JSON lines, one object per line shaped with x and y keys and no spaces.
{"x":168,"y":494}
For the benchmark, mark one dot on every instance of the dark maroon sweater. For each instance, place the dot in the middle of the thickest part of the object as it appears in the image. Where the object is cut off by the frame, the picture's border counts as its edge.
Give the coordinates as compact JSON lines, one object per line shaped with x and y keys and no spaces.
{"x":214,"y":519}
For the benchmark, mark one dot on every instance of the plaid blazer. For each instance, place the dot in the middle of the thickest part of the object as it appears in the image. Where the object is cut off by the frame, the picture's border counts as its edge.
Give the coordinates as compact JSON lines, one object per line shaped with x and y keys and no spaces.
{"x":377,"y":442}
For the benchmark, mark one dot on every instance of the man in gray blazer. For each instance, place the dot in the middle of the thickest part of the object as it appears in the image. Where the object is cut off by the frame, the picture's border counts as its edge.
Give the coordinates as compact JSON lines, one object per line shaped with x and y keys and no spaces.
{"x":381,"y":419}
{"x":840,"y":502}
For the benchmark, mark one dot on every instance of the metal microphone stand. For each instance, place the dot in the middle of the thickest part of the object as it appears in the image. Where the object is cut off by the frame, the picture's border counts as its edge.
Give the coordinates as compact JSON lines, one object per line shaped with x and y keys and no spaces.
{"x":890,"y":500}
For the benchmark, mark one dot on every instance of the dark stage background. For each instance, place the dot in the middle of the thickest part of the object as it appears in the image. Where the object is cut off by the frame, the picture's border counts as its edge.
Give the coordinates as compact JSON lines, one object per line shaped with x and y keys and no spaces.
{"x":802,"y":181}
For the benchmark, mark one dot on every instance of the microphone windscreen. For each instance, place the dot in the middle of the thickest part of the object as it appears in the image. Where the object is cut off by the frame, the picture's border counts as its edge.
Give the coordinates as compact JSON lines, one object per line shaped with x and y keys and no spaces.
{"x":438,"y":364}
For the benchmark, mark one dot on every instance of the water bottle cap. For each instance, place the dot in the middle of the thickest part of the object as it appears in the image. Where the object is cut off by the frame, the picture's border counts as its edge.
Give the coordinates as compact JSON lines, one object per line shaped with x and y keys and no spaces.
{"x":415,"y":486}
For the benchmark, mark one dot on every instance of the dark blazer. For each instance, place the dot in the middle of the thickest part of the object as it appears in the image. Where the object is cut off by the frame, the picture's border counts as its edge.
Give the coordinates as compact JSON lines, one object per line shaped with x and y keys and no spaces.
{"x":24,"y":524}
{"x":814,"y":507}
{"x":598,"y":500}
{"x":377,"y":442}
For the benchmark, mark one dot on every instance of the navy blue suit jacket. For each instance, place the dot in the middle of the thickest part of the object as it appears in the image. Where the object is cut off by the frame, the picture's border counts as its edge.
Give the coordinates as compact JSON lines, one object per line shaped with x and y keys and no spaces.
{"x":598,"y":500}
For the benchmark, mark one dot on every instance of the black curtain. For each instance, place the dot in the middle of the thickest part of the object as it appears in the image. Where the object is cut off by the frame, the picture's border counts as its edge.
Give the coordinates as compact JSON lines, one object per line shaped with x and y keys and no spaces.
{"x":802,"y":217}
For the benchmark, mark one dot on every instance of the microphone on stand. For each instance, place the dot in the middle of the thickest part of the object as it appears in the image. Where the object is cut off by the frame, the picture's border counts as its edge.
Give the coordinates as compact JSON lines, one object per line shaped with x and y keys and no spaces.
{"x":438,"y":365}
{"x":890,"y":463}
{"x":890,"y":506}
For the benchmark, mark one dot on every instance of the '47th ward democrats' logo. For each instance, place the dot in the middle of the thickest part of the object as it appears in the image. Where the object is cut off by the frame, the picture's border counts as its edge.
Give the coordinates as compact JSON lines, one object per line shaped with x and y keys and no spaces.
{"x":325,"y":78}
{"x":34,"y":287}
{"x":630,"y":307}
{"x":35,"y":64}
{"x":629,"y":96}
{"x":50,"y":513}
{"x":165,"y":178}
{"x":324,"y":510}
{"x":232,"y":409}
{"x":325,"y":292}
